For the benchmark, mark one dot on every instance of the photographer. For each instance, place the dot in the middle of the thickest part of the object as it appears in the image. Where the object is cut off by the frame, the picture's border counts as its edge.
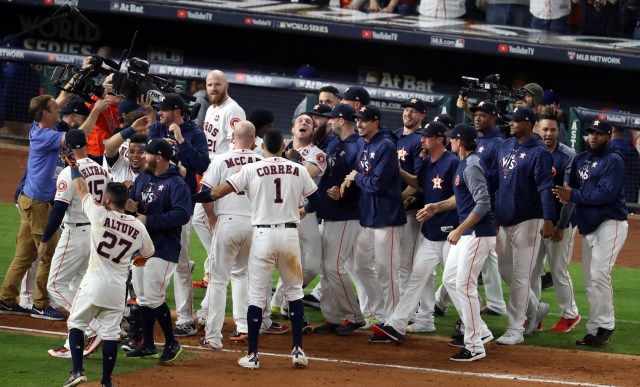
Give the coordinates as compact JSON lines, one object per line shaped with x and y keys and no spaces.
{"x":191,"y":151}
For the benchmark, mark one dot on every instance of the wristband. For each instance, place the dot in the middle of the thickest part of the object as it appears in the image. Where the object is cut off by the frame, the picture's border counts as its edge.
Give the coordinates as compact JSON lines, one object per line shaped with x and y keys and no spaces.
{"x":127,"y":133}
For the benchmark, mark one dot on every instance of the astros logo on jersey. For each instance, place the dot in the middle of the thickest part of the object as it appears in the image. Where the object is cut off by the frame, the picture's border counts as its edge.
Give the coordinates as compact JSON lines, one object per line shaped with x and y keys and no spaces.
{"x":457,"y":182}
{"x":402,"y":153}
{"x":437,"y":182}
{"x":233,"y":122}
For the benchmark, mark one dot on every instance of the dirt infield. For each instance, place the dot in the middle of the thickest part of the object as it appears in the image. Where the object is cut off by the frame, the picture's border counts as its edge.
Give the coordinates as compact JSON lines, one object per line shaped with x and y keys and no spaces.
{"x":353,"y":361}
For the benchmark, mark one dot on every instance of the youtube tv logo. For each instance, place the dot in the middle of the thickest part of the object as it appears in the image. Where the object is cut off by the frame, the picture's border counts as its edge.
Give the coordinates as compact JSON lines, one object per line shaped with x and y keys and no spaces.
{"x":181,"y":13}
{"x":49,"y":2}
{"x":366,"y":34}
{"x":503,"y":48}
{"x":248,"y":20}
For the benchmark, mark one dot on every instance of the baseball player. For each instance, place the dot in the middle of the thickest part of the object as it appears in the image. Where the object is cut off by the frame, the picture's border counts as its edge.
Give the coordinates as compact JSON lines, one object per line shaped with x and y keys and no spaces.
{"x":409,"y":156}
{"x":163,"y":203}
{"x":596,"y":187}
{"x":71,"y":255}
{"x":218,"y":126}
{"x":190,"y":146}
{"x":489,"y":141}
{"x":524,"y":210}
{"x":114,"y":236}
{"x":340,"y":223}
{"x":274,"y":187}
{"x":558,"y":249}
{"x":232,"y":235}
{"x":382,"y":214}
{"x":435,"y":179}
{"x":314,"y":160}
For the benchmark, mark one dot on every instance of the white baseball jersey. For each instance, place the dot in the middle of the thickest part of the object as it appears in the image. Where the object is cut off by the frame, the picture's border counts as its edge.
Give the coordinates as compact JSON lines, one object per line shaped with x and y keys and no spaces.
{"x":114,"y":238}
{"x":96,"y":177}
{"x":258,"y":146}
{"x":269,"y":184}
{"x":315,"y":156}
{"x":120,"y":170}
{"x":218,"y":125}
{"x":220,"y":169}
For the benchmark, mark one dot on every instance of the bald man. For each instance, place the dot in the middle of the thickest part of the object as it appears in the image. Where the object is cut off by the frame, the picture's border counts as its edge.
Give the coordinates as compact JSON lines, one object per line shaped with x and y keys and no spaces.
{"x":219,"y":122}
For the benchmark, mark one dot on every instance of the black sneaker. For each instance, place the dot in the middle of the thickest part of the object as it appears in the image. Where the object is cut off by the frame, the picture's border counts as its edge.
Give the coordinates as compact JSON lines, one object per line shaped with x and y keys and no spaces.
{"x":457,"y":342}
{"x":184,"y":330}
{"x":388,"y":331}
{"x":327,"y":327}
{"x":466,"y":355}
{"x":377,"y":339}
{"x":347,"y":327}
{"x":130,"y":344}
{"x":546,"y":280}
{"x":603,"y":336}
{"x":457,"y":329}
{"x":142,"y":353}
{"x":75,"y":379}
{"x":306,"y":327}
{"x":171,"y":353}
{"x":13,"y":309}
{"x":439,"y":312}
{"x":310,"y":301}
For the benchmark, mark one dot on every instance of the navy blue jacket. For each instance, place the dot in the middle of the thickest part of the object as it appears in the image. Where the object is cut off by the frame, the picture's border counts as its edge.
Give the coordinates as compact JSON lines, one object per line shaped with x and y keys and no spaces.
{"x":329,"y":142}
{"x":166,"y":202}
{"x":340,"y":161}
{"x":488,"y":146}
{"x":598,"y":188}
{"x":436,"y":180}
{"x":379,"y":179}
{"x":525,"y":180}
{"x":466,"y":200}
{"x":632,"y":166}
{"x":409,"y":148}
{"x":193,"y":152}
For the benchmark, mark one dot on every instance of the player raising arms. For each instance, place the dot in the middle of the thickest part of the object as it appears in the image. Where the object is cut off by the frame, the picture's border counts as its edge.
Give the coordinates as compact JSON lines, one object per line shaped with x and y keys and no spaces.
{"x":274,"y":187}
{"x":114,"y":237}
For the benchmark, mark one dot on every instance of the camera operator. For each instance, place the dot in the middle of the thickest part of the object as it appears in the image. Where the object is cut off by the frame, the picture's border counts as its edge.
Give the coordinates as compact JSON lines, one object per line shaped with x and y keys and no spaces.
{"x":532,"y":97}
{"x":192,"y":152}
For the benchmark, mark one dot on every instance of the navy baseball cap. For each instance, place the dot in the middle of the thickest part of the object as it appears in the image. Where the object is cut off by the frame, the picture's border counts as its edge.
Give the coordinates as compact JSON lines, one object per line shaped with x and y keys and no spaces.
{"x":522,"y":114}
{"x":486,"y":107}
{"x":600,"y":126}
{"x":465,"y":132}
{"x":320,"y":110}
{"x":357,"y":93}
{"x":75,"y":139}
{"x":76,"y":106}
{"x":369,"y":113}
{"x":342,"y":110}
{"x":171,"y":101}
{"x":434,"y":129}
{"x":445,"y":119}
{"x":261,"y":117}
{"x":159,"y":146}
{"x":417,"y":104}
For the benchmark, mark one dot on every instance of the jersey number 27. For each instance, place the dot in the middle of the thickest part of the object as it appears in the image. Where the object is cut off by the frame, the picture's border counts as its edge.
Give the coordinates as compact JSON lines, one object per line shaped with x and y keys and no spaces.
{"x":109,"y":241}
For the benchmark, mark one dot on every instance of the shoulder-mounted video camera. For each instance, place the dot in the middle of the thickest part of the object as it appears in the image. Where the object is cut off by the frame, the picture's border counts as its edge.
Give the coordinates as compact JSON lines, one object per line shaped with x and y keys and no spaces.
{"x":491,"y":89}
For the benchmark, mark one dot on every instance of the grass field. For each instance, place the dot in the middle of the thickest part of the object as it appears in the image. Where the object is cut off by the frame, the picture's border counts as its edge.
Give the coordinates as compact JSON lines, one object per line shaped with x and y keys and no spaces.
{"x":20,"y":351}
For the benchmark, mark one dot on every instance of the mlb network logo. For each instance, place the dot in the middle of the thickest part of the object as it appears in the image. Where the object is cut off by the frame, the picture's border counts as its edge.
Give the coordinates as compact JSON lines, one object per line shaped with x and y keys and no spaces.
{"x":367,"y":34}
{"x":181,"y":13}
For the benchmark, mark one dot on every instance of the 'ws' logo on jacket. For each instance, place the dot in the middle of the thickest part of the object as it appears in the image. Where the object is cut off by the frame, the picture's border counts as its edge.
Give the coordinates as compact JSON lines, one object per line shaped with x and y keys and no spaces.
{"x":583,"y":171}
{"x":509,"y":163}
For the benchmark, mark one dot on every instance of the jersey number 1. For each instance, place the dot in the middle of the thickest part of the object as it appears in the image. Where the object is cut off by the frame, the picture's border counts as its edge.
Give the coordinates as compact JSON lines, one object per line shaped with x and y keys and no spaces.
{"x":109,"y":242}
{"x":278,"y":183}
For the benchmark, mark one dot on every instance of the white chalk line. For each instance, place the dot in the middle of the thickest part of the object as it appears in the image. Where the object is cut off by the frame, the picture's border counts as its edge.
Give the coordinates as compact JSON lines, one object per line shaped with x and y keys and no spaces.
{"x":524,"y":378}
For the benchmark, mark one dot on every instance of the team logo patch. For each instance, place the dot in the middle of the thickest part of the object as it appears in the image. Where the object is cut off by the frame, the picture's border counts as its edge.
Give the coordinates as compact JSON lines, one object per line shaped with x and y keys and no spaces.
{"x":402,"y":154}
{"x":555,"y":172}
{"x":216,"y":118}
{"x":457,"y":182}
{"x":437,"y":182}
{"x":233,"y":122}
{"x":62,"y":186}
{"x":320,"y":159}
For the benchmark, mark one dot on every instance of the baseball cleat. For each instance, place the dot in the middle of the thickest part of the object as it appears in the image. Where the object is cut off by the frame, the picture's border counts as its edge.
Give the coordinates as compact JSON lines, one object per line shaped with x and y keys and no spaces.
{"x":251,"y":361}
{"x":458,"y":342}
{"x":238,"y":337}
{"x":61,"y":353}
{"x":486,"y":311}
{"x":348,"y":327}
{"x":510,"y":338}
{"x":204,"y":343}
{"x":420,"y":327}
{"x":306,"y":327}
{"x":377,"y":339}
{"x":466,"y":355}
{"x":276,"y":329}
{"x":388,"y":331}
{"x":310,"y":301}
{"x":94,"y":343}
{"x":76,"y":379}
{"x":13,"y":309}
{"x":543,"y":310}
{"x":184,"y":330}
{"x":565,"y":324}
{"x":439,"y":312}
{"x":170,"y":353}
{"x":200,"y":284}
{"x":142,"y":353}
{"x":298,"y":358}
{"x":326,"y":327}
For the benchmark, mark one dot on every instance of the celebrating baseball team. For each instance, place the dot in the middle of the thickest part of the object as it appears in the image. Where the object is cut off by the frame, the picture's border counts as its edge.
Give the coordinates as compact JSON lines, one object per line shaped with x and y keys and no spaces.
{"x":370,"y":210}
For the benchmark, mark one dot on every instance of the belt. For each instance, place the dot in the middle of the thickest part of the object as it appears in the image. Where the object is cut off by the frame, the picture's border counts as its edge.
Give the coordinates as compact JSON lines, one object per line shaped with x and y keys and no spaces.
{"x":78,"y":224}
{"x":284,"y":225}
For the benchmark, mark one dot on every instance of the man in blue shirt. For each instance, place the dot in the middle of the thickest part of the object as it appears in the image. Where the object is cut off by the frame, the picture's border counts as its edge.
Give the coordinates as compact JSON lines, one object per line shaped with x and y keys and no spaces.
{"x":34,"y":203}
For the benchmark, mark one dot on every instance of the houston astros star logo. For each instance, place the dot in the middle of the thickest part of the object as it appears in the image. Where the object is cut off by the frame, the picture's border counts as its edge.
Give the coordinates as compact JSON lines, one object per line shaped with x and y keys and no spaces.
{"x":437,"y":182}
{"x":481,"y":149}
{"x":402,"y":153}
{"x":160,"y":187}
{"x":523,"y":155}
{"x":372,"y":155}
{"x":595,"y":164}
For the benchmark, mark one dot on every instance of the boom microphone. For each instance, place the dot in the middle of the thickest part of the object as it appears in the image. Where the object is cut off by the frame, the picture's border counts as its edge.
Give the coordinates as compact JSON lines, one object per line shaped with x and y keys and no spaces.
{"x":75,"y":12}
